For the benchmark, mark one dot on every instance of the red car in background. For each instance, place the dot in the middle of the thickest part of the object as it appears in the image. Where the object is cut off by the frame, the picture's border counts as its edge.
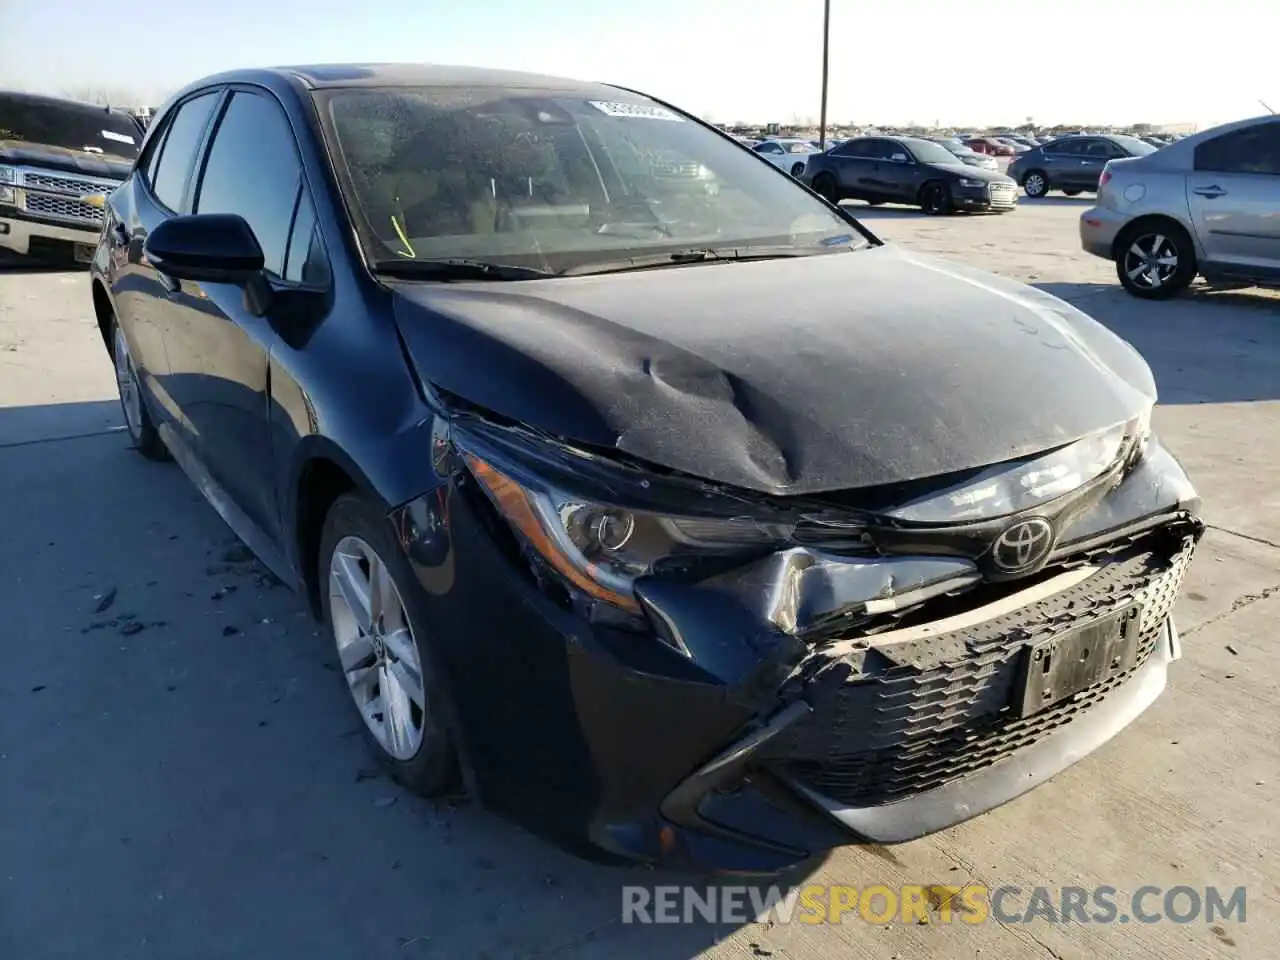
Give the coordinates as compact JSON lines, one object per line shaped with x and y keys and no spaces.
{"x":990,"y":146}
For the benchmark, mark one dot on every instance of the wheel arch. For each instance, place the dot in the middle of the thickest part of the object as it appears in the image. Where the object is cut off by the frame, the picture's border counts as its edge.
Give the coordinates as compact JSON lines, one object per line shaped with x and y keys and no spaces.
{"x":104,"y":311}
{"x":321,"y":474}
{"x":1146,"y":220}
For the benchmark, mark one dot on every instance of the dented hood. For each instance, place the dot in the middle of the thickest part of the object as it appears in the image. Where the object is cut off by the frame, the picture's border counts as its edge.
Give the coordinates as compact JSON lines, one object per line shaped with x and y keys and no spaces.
{"x":791,"y":376}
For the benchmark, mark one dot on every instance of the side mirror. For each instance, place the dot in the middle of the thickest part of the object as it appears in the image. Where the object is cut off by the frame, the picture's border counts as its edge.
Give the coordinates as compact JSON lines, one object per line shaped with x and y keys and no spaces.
{"x":211,"y":247}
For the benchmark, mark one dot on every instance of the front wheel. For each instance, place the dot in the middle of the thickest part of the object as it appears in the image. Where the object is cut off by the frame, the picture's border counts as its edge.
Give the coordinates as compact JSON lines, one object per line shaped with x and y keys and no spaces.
{"x":137,"y":419}
{"x":797,"y":169}
{"x":1036,"y":184}
{"x":1155,"y":261}
{"x":371,"y":605}
{"x":935,"y":199}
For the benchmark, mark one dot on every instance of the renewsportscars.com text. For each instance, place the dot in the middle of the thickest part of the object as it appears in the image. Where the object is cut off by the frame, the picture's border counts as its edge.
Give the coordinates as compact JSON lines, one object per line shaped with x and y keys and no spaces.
{"x":932,"y":903}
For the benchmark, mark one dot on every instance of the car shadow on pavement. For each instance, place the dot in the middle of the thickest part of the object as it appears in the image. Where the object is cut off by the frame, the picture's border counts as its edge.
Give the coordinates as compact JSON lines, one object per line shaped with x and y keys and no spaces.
{"x":1057,"y":200}
{"x":1205,"y":346}
{"x":189,"y":773}
{"x":58,"y":421}
{"x":11,"y":263}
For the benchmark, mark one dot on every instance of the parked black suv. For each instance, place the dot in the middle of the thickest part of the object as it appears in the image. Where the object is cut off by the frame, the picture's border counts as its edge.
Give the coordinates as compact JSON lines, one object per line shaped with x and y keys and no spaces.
{"x":56,"y":158}
{"x":1072,"y":164}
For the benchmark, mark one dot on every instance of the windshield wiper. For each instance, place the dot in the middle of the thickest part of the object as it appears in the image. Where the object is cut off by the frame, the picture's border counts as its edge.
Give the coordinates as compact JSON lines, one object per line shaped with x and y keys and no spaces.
{"x":457,"y":268}
{"x":675,"y":258}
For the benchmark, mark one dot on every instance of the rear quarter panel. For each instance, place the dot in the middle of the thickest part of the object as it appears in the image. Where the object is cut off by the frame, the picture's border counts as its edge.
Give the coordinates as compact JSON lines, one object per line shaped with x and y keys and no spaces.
{"x":1139,"y":187}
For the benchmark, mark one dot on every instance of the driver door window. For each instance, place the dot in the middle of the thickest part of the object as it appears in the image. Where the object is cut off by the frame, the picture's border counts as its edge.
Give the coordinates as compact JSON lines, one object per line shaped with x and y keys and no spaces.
{"x":253,"y":170}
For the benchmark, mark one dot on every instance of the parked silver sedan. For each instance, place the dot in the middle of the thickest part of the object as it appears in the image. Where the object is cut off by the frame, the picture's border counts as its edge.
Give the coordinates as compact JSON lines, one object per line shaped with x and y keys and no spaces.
{"x":1207,"y":204}
{"x":789,"y":154}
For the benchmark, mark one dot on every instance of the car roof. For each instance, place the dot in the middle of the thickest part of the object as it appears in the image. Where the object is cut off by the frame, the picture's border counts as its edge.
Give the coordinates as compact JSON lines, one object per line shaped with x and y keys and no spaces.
{"x":342,"y":75}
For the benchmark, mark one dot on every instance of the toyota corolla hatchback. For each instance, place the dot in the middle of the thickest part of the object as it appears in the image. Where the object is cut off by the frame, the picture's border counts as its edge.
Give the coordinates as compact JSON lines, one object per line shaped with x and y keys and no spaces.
{"x":677,"y":517}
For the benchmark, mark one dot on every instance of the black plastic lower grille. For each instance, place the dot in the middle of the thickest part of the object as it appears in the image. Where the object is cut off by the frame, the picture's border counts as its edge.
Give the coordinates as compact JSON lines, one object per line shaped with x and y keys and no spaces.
{"x":883,"y":730}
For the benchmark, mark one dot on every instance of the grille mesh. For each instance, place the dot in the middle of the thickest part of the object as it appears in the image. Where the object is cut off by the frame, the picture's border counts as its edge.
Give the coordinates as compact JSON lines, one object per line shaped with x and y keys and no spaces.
{"x":63,"y":208}
{"x":879,"y":734}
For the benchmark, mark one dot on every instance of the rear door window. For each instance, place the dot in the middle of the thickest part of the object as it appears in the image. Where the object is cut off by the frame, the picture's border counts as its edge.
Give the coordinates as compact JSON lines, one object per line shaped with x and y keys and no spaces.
{"x":172,"y":169}
{"x":1251,"y":150}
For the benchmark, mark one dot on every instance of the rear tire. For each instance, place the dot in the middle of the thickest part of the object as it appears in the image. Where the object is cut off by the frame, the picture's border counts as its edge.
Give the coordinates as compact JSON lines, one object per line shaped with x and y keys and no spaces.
{"x":383,"y":646}
{"x":935,"y":199}
{"x":1035,"y":184}
{"x":1155,"y":259}
{"x":824,"y":184}
{"x":133,"y":403}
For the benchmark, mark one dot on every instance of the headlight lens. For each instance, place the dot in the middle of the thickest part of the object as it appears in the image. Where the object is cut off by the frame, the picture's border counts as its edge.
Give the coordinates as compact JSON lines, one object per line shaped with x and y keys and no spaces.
{"x":8,"y":174}
{"x":8,"y":195}
{"x":1012,"y":488}
{"x":965,"y":182}
{"x":601,"y":549}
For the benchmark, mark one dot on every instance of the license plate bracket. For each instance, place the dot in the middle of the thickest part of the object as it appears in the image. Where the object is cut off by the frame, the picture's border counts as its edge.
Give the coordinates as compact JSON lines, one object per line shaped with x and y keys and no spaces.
{"x":1061,"y":666}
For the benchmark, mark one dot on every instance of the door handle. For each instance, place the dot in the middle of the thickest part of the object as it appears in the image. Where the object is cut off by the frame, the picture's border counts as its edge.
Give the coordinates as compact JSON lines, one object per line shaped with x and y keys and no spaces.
{"x":119,"y":235}
{"x":1210,"y":192}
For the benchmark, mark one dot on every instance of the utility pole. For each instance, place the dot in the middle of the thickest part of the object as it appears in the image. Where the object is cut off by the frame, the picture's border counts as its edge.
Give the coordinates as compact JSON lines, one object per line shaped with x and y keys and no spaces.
{"x":826,"y":54}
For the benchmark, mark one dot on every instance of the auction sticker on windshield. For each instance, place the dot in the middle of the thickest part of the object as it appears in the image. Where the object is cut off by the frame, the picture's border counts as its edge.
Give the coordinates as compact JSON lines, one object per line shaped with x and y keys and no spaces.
{"x":635,"y":111}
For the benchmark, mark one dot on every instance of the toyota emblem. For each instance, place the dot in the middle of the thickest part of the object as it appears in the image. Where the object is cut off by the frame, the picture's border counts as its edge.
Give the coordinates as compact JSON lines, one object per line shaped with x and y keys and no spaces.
{"x":1023,"y":547}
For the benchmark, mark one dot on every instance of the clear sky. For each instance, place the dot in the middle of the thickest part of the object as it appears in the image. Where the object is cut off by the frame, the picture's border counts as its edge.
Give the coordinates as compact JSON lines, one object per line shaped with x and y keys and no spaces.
{"x":892,"y":61}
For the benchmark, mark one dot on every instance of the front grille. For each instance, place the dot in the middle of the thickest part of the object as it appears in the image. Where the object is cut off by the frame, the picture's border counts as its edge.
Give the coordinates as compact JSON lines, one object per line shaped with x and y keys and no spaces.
{"x":63,"y":208}
{"x":1002,"y":194}
{"x":921,"y":720}
{"x":45,"y":181}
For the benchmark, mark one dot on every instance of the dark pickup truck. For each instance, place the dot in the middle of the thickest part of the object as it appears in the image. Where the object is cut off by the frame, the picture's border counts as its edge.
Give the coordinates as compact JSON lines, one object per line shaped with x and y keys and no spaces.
{"x":57,"y":157}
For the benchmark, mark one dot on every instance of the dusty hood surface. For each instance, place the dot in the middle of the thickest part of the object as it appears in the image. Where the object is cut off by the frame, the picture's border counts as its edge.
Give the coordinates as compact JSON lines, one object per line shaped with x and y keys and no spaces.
{"x":21,"y":153}
{"x":786,"y":376}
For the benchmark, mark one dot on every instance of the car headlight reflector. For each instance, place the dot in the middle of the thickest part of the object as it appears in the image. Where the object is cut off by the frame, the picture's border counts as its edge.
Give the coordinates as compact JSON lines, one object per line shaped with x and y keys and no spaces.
{"x":8,"y":174}
{"x":1013,"y":487}
{"x":601,"y":549}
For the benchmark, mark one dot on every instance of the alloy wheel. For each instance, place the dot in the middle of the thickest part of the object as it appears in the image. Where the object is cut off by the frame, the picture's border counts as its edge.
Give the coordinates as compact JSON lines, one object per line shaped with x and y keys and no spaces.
{"x":377,"y":648}
{"x":127,"y":383}
{"x":1151,"y":261}
{"x":1035,"y":186}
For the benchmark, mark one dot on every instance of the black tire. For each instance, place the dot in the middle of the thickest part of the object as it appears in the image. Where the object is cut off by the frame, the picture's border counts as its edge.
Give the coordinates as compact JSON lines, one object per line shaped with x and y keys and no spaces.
{"x":935,"y":199}
{"x":797,"y":169}
{"x":140,"y":424}
{"x":824,"y":184}
{"x":433,"y":769}
{"x":1035,"y":184}
{"x":1159,"y":240}
{"x":1072,"y":193}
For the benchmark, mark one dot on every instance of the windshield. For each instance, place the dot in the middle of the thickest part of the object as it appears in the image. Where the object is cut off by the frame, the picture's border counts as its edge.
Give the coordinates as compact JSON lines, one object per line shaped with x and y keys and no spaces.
{"x":926,"y":151}
{"x":68,"y":125}
{"x":1139,"y":148}
{"x":556,"y":181}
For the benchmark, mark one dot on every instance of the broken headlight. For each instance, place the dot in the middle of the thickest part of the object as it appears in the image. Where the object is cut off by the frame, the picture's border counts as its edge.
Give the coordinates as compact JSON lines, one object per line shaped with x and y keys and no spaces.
{"x":1023,"y":484}
{"x":601,"y":548}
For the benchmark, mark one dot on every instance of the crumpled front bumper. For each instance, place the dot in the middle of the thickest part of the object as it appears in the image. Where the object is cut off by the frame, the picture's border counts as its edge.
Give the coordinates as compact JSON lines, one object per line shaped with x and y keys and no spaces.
{"x":722,"y":740}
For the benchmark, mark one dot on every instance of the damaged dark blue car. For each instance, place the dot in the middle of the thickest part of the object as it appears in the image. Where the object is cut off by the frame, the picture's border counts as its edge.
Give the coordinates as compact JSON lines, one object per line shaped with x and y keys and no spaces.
{"x":642,"y":491}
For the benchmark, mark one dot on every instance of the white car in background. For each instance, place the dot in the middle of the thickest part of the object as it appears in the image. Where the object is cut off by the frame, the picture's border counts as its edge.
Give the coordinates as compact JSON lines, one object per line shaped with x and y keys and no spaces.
{"x":787,"y":154}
